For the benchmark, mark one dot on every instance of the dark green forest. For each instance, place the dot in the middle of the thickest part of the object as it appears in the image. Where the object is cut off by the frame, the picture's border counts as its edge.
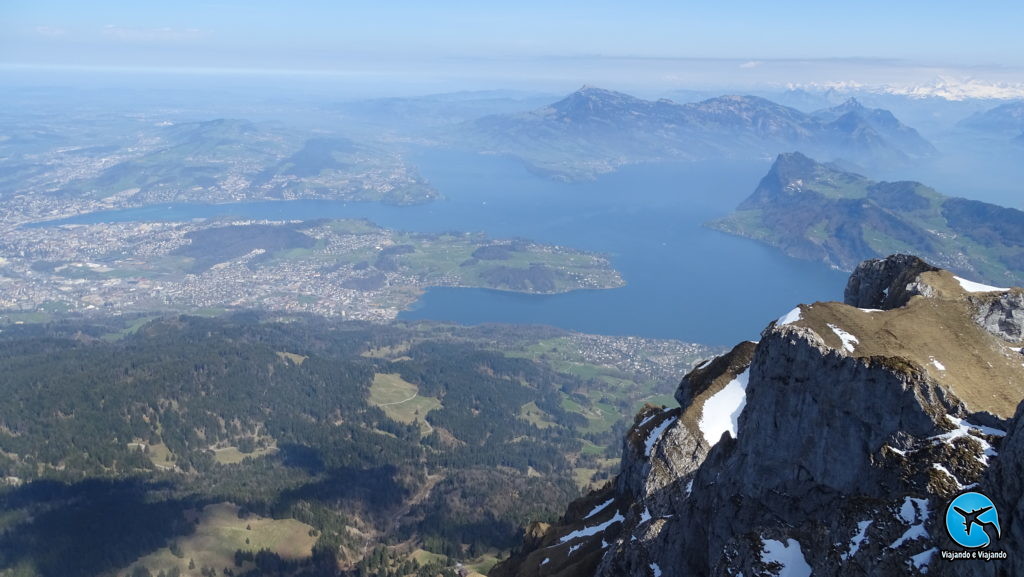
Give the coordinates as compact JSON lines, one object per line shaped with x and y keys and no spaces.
{"x":109,"y":436}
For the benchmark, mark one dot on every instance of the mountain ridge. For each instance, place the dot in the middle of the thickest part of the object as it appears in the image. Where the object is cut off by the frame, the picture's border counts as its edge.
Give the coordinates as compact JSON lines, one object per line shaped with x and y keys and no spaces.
{"x":593,"y":130}
{"x":1004,"y":120}
{"x":842,"y":448}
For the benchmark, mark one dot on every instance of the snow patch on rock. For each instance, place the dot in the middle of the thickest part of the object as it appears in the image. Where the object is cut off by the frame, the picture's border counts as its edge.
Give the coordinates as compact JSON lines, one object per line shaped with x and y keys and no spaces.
{"x":963,"y":429}
{"x":656,"y":434}
{"x":591,"y":531}
{"x":914,"y":512}
{"x":599,"y":508}
{"x":975,"y":287}
{"x":789,"y":318}
{"x":848,"y":340}
{"x":788,"y":555}
{"x":858,"y":539}
{"x":942,"y":469}
{"x":722,"y":411}
{"x":922,"y":559}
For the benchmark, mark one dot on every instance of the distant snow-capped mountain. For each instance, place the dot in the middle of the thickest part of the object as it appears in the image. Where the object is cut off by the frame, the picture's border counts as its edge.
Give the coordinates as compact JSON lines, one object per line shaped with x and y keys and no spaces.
{"x":944,"y":88}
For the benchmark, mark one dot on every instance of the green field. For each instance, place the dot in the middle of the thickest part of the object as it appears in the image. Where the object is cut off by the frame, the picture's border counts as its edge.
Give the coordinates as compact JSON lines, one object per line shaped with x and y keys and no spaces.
{"x":221,"y":532}
{"x":160,"y":455}
{"x":232,"y":456}
{"x":583,"y":477}
{"x":483,"y":565}
{"x":20,"y":318}
{"x":536,"y":416}
{"x":425,"y":557}
{"x":393,"y":353}
{"x":601,"y":416}
{"x":129,"y":329}
{"x":294,"y":358}
{"x":400,"y":400}
{"x":591,"y":449}
{"x":559,"y":269}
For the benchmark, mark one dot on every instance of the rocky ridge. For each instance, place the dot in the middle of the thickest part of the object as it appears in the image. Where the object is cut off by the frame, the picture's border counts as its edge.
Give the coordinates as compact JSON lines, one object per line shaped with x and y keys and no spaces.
{"x":830,"y":447}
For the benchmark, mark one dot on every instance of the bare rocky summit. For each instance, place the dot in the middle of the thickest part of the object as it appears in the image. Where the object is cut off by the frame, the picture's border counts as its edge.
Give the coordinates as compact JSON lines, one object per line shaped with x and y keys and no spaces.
{"x":831,"y":447}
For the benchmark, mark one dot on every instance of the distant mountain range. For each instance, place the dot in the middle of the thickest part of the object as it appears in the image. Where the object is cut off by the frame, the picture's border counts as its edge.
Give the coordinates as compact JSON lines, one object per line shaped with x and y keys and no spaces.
{"x":413,"y":113}
{"x":1004,"y":120}
{"x":820,"y":212}
{"x":592,"y":131}
{"x":949,"y":89}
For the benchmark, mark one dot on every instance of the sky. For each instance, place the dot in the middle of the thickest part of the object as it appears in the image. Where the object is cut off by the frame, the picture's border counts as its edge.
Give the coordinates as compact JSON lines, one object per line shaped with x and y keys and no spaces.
{"x":544,"y":43}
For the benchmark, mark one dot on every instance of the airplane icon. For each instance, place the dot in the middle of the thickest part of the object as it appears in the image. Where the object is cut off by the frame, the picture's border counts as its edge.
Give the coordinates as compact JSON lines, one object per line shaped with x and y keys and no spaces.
{"x":971,"y":519}
{"x":968,"y":510}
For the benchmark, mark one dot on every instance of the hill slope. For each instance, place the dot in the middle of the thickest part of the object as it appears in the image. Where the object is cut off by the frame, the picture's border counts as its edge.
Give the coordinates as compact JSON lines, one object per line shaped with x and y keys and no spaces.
{"x":820,"y":212}
{"x":349,"y":434}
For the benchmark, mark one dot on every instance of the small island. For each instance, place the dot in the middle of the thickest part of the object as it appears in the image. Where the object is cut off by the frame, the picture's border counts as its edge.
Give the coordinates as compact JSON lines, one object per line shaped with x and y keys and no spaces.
{"x":348,"y":268}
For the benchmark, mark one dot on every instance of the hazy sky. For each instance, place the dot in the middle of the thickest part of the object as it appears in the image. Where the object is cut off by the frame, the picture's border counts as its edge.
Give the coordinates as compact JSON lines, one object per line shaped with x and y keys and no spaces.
{"x":681,"y":43}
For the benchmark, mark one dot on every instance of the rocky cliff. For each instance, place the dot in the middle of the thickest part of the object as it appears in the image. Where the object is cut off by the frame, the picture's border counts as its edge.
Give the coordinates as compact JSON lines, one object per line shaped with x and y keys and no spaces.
{"x":831,"y":447}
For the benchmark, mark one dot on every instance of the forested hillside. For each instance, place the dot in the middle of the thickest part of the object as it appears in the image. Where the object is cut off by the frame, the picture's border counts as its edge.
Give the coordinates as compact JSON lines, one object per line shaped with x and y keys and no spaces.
{"x":123,"y":444}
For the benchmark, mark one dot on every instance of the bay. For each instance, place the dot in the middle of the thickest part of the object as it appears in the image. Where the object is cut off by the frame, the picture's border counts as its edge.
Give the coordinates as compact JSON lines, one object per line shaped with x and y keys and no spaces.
{"x":684,"y":281}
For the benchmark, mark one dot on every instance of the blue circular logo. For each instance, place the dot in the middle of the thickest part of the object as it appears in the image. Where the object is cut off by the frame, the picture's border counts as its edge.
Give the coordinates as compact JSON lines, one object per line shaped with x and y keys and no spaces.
{"x":972,"y":521}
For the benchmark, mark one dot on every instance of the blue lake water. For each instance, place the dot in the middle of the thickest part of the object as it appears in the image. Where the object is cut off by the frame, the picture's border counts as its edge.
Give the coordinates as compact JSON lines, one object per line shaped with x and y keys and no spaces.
{"x":684,"y":281}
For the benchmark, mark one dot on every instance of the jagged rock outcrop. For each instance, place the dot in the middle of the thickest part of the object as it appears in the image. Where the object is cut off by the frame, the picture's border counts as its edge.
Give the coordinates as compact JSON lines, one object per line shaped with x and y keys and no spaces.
{"x":885,"y":283}
{"x":1001,"y":314}
{"x":831,"y":447}
{"x":1004,"y":484}
{"x":575,"y":545}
